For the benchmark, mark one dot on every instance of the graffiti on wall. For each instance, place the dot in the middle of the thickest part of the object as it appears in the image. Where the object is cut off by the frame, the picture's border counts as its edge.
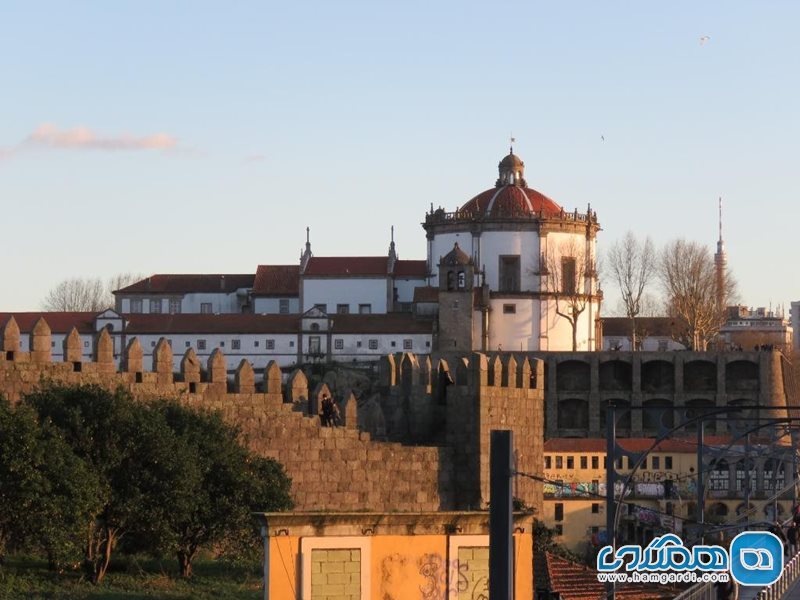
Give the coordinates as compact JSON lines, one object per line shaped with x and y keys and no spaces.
{"x":430,"y":577}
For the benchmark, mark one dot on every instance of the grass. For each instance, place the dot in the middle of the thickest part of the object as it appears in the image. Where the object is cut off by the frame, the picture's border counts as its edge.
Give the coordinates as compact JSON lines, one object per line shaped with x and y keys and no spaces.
{"x":131,"y":579}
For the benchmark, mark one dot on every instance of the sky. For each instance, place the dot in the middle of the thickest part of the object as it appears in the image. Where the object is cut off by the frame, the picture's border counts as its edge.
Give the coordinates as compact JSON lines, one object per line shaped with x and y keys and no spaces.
{"x":204,"y":137}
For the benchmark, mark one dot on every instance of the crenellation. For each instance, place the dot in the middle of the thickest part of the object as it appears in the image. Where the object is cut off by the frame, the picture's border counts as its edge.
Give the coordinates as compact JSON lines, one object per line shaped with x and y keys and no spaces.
{"x":41,"y":342}
{"x":72,"y":347}
{"x":244,"y":381}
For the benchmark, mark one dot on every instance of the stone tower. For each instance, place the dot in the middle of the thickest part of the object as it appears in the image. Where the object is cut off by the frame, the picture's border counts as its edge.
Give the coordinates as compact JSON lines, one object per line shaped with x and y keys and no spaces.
{"x":456,"y":279}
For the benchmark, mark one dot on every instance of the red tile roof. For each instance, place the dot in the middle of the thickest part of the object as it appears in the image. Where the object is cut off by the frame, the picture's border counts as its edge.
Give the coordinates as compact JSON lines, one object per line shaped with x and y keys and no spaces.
{"x":579,"y":582}
{"x":200,"y":323}
{"x":426,"y":293}
{"x":59,"y":322}
{"x":189,"y":284}
{"x":363,"y":266}
{"x":411,"y":268}
{"x":510,"y":201}
{"x":347,"y":266}
{"x":277,"y":280}
{"x":377,"y":324}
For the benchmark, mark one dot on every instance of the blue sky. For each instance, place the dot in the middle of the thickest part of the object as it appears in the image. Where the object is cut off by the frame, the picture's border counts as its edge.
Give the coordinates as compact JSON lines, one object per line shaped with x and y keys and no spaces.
{"x":204,"y":137}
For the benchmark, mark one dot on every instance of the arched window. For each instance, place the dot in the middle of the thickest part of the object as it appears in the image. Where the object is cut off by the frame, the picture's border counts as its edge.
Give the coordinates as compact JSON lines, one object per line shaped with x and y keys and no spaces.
{"x":462,"y":279}
{"x":450,"y":281}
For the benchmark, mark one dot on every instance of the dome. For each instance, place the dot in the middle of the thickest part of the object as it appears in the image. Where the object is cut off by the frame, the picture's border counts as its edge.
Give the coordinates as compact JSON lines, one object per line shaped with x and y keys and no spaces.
{"x":510,"y":201}
{"x":511,"y":161}
{"x":456,"y":257}
{"x":511,"y":196}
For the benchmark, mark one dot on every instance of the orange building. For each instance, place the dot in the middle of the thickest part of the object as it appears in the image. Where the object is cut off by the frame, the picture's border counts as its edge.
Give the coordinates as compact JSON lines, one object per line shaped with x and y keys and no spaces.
{"x":391,"y":556}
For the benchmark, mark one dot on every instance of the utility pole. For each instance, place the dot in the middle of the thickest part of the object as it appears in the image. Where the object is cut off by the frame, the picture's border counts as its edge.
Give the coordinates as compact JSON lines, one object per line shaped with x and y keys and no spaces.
{"x":701,"y":492}
{"x":501,"y":543}
{"x":611,"y":480}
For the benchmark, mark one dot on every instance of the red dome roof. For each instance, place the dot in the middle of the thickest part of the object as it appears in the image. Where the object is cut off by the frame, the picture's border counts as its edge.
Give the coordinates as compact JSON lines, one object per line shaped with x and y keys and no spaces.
{"x":510,"y":201}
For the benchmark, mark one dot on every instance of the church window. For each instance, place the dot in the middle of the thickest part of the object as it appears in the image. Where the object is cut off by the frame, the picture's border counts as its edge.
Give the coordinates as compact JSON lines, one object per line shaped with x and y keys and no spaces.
{"x":283,"y":306}
{"x":343,"y":309}
{"x":174,"y":306}
{"x":201,"y":344}
{"x":236,"y":344}
{"x":314,"y":344}
{"x":136,"y":305}
{"x":407,"y":344}
{"x":205,"y":308}
{"x":568,"y":283}
{"x":450,"y":281}
{"x":462,"y":279}
{"x":509,"y":309}
{"x":270,"y":345}
{"x":373,"y":344}
{"x":509,"y":273}
{"x":338,"y":344}
{"x":315,"y":327}
{"x":365,"y":309}
{"x":155,"y":306}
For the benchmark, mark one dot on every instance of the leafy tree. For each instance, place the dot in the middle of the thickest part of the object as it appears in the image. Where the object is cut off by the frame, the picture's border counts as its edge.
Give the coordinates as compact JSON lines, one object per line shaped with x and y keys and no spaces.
{"x":127,"y":447}
{"x":213,"y":498}
{"x":46,"y":492}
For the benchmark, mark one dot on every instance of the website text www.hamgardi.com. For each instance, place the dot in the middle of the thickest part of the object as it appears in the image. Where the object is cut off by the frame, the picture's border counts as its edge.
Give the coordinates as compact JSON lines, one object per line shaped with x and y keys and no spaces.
{"x":637,"y":577}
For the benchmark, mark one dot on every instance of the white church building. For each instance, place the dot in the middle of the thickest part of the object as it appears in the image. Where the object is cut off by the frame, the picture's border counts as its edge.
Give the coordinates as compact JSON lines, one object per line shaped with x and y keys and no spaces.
{"x":509,"y":270}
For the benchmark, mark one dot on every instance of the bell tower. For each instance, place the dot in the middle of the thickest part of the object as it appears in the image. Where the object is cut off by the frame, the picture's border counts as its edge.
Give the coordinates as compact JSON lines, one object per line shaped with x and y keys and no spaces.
{"x":456,"y":280}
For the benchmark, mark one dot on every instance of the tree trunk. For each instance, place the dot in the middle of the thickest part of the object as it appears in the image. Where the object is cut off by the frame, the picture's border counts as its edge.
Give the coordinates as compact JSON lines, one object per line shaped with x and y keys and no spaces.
{"x":575,"y":335}
{"x":633,"y":334}
{"x":185,"y":563}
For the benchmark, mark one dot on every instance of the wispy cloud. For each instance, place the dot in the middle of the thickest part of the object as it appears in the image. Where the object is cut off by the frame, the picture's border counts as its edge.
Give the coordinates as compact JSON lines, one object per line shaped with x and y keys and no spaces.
{"x":48,"y":136}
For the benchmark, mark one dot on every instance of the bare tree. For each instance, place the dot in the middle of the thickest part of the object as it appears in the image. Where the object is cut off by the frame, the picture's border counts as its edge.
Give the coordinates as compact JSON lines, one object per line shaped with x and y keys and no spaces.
{"x":566,"y":274}
{"x":86,"y":294}
{"x":632,"y":264}
{"x":688,"y":275}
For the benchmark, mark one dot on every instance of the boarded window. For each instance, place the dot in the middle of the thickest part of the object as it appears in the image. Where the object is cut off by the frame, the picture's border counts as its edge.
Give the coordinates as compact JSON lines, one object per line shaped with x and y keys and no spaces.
{"x":509,"y":273}
{"x":568,"y":275}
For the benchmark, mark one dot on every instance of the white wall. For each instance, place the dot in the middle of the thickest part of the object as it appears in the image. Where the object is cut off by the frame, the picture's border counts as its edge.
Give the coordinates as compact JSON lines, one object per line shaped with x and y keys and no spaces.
{"x":284,"y":352}
{"x":190,"y":303}
{"x":272,"y":306}
{"x":350,"y":291}
{"x":514,"y":332}
{"x":559,"y":330}
{"x":351,"y":350}
{"x":525,"y":244}
{"x":405,"y":288}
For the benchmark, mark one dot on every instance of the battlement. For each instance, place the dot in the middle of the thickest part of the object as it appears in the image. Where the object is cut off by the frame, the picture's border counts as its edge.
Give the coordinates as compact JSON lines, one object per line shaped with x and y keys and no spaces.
{"x":447,"y":414}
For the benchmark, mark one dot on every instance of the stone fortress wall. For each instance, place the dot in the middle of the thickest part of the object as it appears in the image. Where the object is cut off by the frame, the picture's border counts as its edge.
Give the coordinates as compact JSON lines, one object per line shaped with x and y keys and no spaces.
{"x":339,"y":468}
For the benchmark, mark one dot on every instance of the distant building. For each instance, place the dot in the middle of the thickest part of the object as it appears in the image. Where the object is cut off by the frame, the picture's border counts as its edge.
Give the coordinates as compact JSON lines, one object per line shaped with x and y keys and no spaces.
{"x":654,"y":334}
{"x":663,"y":494}
{"x":795,"y":321}
{"x":748,"y":328}
{"x":508,"y":270}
